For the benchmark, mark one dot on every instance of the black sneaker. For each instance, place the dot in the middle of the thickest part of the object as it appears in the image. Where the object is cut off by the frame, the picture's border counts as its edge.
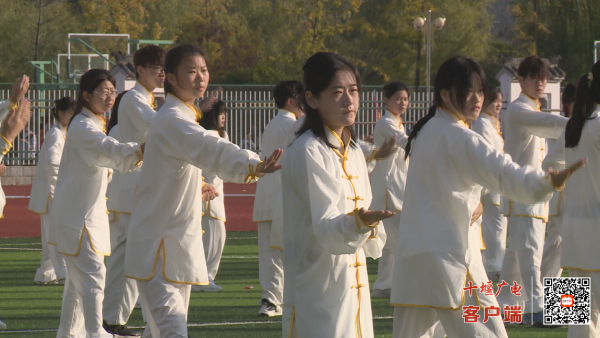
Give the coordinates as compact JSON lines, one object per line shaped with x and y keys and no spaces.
{"x":120,"y":330}
{"x":269,"y":309}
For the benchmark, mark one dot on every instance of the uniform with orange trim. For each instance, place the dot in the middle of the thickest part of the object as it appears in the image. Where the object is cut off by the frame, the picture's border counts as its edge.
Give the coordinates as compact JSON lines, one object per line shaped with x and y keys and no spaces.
{"x":326,"y":243}
{"x":164,"y":240}
{"x":5,"y":147}
{"x":387,"y":182}
{"x":449,"y":166}
{"x":80,"y":216}
{"x":493,"y":223}
{"x":213,"y":223}
{"x":525,"y":130}
{"x":270,"y":266}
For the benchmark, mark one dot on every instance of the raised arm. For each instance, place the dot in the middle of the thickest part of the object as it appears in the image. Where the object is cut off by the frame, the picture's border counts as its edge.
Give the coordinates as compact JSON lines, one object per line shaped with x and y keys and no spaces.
{"x":104,"y":151}
{"x":12,"y":125}
{"x":537,"y":123}
{"x":555,"y":158}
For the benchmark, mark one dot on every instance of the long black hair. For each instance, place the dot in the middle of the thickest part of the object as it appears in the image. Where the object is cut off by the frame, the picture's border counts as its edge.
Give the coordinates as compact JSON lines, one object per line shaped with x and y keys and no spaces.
{"x":210,"y":119}
{"x":588,"y":95}
{"x":175,"y":57}
{"x":114,"y":113}
{"x":88,"y":83}
{"x":568,"y":96}
{"x":456,"y":76}
{"x":63,"y":104}
{"x":319,"y":71}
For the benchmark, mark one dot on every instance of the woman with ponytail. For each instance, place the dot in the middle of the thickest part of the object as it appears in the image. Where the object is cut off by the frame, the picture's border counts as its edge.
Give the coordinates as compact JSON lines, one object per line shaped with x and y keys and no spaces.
{"x":449,"y":166}
{"x":53,"y":269}
{"x":580,"y":231}
{"x":327,"y":230}
{"x":79,"y":209}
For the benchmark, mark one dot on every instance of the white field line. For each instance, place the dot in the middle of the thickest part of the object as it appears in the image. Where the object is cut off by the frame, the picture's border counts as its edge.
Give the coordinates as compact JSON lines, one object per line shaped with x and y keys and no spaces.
{"x":189,"y":325}
{"x":20,"y":244}
{"x":21,"y":249}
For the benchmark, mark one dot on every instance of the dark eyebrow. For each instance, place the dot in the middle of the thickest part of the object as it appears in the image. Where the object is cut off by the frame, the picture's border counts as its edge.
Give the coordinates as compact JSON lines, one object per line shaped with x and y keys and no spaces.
{"x":338,"y":87}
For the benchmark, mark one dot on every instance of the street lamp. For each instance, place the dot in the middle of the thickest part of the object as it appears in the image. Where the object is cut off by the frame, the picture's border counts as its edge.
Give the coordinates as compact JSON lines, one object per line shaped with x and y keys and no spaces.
{"x":421,"y":22}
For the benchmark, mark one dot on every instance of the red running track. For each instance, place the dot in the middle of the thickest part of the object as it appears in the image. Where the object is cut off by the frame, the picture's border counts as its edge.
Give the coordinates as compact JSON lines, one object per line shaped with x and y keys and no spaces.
{"x":20,"y":222}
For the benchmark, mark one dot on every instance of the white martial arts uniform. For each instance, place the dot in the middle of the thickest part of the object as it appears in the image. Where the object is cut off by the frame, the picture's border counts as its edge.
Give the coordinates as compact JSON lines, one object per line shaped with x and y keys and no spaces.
{"x":53,"y":264}
{"x":580,"y":231}
{"x":387,"y":183}
{"x":450,"y":165}
{"x":213,"y":224}
{"x":493,"y":225}
{"x":164,"y":243}
{"x":552,"y":245}
{"x":5,"y":147}
{"x":80,"y":217}
{"x":525,"y":128}
{"x":326,"y":243}
{"x":270,"y":266}
{"x":135,"y":113}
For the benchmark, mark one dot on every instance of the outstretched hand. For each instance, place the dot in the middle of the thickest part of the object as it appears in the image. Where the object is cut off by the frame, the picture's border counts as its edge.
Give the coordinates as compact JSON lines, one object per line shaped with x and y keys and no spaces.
{"x":387,"y":148}
{"x":370,"y":217}
{"x":16,"y":120}
{"x":19,"y":88}
{"x":559,"y":178}
{"x":477,"y":213}
{"x":269,"y":164}
{"x":209,"y":192}
{"x":209,"y":102}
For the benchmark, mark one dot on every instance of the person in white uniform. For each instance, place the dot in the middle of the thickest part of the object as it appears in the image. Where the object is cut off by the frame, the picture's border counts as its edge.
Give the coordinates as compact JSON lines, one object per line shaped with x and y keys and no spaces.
{"x":164,"y":252}
{"x":450,"y":165}
{"x":79,"y":210}
{"x":53,"y":269}
{"x":493,"y":223}
{"x":388,"y":179}
{"x":213,"y":220}
{"x":580,"y":230}
{"x":552,"y":246}
{"x":328,"y":231}
{"x":287,"y":95}
{"x":135,"y":112}
{"x":15,"y":115}
{"x":525,"y":130}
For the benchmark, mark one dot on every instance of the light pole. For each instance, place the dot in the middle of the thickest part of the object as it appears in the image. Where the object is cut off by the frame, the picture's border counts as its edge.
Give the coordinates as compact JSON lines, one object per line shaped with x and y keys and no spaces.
{"x":421,"y":22}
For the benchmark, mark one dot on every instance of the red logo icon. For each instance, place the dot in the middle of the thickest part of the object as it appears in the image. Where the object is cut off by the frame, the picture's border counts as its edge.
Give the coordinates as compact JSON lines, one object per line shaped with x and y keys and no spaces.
{"x":566,"y":300}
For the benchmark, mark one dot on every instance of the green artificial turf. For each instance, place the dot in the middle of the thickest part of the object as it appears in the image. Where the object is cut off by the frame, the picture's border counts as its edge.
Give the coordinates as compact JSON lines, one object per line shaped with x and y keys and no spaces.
{"x":34,"y":311}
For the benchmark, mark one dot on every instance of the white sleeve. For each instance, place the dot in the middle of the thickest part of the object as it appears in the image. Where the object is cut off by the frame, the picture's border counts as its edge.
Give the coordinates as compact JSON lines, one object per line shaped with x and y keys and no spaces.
{"x":4,"y":109}
{"x":54,"y":155}
{"x":392,"y":130}
{"x":139,"y":112}
{"x":208,"y":151}
{"x":555,"y":158}
{"x":498,"y":173}
{"x":537,"y":123}
{"x":104,"y":151}
{"x":336,"y":231}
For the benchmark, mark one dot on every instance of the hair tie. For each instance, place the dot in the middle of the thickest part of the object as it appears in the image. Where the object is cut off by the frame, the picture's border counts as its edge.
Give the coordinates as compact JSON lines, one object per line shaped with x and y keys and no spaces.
{"x":590,"y":79}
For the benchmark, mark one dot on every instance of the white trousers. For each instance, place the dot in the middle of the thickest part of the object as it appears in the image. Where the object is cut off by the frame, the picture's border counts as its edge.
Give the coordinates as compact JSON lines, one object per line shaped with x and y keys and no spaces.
{"x":552,"y":247}
{"x":83,"y":293}
{"x":270,"y":266}
{"x":522,"y":263}
{"x":385,"y":269}
{"x":53,"y":264}
{"x":593,"y":329}
{"x":165,"y":304}
{"x":493,"y":230}
{"x":120,"y":293}
{"x":213,"y":240}
{"x":423,"y":322}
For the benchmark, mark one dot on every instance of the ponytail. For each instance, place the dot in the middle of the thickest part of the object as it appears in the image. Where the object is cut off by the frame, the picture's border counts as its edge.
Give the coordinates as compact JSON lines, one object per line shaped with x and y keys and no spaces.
{"x":417,"y":128}
{"x":588,"y":95}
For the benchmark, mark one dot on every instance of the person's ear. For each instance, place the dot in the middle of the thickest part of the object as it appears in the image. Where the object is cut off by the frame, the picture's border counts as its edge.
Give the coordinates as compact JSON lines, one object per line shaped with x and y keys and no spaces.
{"x":311,"y":100}
{"x":445,"y":96}
{"x":86,"y":97}
{"x":172,"y":79}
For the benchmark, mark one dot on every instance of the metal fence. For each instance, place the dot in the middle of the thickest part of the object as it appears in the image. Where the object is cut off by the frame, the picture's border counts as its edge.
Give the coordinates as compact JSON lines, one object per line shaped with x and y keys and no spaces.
{"x":250,"y":108}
